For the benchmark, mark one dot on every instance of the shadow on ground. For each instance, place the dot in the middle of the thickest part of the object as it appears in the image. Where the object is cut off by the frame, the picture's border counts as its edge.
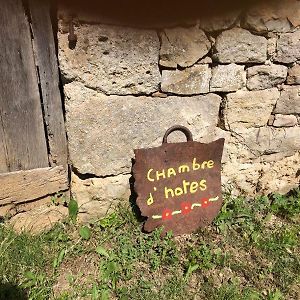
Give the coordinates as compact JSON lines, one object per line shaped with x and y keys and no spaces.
{"x":10,"y":291}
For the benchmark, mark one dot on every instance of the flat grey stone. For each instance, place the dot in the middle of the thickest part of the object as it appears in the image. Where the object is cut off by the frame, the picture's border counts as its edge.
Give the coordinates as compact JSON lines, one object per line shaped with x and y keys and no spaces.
{"x":288,"y":47}
{"x":240,"y":46}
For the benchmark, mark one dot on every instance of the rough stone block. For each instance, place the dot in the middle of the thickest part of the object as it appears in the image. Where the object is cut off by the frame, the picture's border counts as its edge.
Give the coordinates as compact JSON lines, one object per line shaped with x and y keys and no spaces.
{"x":183,"y":46}
{"x":285,"y":121}
{"x":194,"y":80}
{"x":246,"y":109}
{"x":98,"y":196}
{"x":266,"y":76}
{"x":294,"y":75}
{"x":288,"y":47}
{"x":112,"y":59}
{"x":289,"y":101}
{"x":254,"y":152}
{"x":279,"y":176}
{"x":219,"y":22}
{"x":273,"y":16}
{"x":240,"y":46}
{"x":242,"y":178}
{"x":104,"y":130}
{"x":227,"y":78}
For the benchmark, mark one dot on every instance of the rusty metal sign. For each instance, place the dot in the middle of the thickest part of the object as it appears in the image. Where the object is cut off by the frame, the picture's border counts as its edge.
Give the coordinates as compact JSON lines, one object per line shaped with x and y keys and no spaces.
{"x":179,"y":184}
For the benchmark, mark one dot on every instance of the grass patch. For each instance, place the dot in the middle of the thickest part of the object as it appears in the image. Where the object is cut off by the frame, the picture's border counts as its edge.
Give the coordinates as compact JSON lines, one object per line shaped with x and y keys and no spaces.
{"x":251,"y":251}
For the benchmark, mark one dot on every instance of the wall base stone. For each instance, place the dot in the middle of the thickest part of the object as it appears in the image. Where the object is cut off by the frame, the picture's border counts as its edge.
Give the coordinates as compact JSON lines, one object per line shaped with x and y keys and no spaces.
{"x":98,"y":196}
{"x":39,"y":219}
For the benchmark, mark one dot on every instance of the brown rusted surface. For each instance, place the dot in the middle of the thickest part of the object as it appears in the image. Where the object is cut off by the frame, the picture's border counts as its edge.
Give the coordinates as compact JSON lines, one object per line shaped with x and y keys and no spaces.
{"x":188,"y":197}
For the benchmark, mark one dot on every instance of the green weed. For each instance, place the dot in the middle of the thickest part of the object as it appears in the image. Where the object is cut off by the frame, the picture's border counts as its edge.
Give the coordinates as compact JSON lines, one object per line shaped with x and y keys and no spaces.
{"x":250,"y":252}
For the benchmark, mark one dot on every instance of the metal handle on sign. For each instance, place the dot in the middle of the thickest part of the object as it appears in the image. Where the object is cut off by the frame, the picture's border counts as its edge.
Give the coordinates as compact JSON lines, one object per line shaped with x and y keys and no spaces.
{"x":183,"y":129}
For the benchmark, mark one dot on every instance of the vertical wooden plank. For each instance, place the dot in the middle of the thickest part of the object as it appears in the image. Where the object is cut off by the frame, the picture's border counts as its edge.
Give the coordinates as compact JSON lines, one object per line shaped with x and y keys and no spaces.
{"x":46,"y":60}
{"x":3,"y":150}
{"x":21,"y":117}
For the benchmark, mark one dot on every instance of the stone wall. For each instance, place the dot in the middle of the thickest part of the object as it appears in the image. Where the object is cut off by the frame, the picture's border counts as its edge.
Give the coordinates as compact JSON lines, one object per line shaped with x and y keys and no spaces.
{"x":234,"y":75}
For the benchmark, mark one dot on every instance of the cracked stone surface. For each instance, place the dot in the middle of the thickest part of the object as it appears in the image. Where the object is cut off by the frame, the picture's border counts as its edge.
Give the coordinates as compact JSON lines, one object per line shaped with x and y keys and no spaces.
{"x":287,"y":168}
{"x":227,"y":78}
{"x":289,"y":101}
{"x":245,"y":109}
{"x":267,"y":140}
{"x":265,"y":76}
{"x":112,"y":59}
{"x":238,"y":45}
{"x":262,"y":160}
{"x":104,"y":130}
{"x":183,"y":46}
{"x":288,"y":47}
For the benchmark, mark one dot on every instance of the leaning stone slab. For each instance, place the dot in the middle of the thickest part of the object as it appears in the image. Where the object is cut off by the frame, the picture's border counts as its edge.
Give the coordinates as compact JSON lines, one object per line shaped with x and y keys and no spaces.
{"x":289,"y":101}
{"x":288,"y":47}
{"x":104,"y":130}
{"x":112,"y":59}
{"x":294,"y":75}
{"x":227,"y":78}
{"x":190,"y":81}
{"x":266,"y":76}
{"x":246,"y":109}
{"x":240,"y":46}
{"x":183,"y":46}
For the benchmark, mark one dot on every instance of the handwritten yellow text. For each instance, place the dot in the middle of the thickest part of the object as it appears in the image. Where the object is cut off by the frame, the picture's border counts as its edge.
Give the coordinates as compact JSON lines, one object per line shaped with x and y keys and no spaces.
{"x":186,"y":187}
{"x":163,"y":174}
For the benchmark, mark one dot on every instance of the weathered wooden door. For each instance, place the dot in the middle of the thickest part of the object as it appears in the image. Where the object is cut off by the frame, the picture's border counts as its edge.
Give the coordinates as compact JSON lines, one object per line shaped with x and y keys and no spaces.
{"x":33,"y":149}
